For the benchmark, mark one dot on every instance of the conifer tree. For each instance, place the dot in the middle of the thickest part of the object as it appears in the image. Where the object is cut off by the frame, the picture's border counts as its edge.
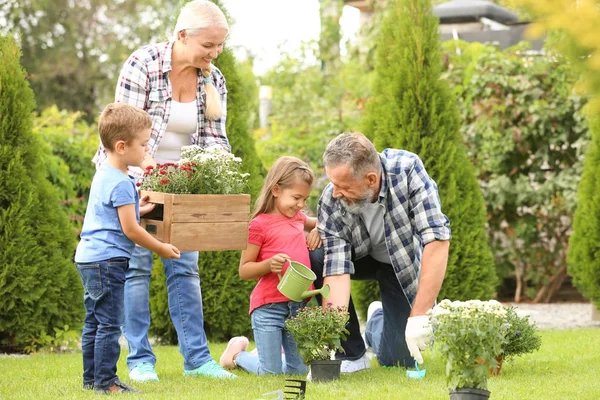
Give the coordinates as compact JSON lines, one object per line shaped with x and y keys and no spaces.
{"x":584,"y":245}
{"x":412,"y":109}
{"x":39,"y":285}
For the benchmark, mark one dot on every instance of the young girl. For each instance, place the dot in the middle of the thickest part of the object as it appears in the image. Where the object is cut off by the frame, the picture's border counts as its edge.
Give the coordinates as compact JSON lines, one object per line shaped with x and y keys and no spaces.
{"x":276,"y":235}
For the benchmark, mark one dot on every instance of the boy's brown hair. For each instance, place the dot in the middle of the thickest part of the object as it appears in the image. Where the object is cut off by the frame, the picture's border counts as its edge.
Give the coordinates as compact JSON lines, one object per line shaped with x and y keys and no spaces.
{"x":120,"y":121}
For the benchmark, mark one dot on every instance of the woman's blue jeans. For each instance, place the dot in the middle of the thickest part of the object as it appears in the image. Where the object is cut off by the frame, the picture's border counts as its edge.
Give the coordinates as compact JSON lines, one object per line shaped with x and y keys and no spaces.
{"x":103,"y":284}
{"x":185,"y":307}
{"x":270,"y":335}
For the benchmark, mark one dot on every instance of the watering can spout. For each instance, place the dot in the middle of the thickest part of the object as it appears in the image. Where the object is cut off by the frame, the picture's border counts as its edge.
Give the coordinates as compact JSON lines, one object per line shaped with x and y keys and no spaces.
{"x":324,"y":291}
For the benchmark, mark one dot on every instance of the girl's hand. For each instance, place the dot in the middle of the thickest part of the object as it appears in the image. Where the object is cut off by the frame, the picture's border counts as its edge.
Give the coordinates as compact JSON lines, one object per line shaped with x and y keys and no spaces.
{"x":313,"y":240}
{"x":277,"y":261}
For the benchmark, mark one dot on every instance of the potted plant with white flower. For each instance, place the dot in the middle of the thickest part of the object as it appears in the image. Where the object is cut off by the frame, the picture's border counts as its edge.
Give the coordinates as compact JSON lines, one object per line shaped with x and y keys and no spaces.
{"x":319,"y":331}
{"x":469,"y":334}
{"x":200,"y":200}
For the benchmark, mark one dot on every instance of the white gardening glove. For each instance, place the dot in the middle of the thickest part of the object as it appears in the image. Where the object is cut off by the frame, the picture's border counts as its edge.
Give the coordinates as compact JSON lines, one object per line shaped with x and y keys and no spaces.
{"x":418,"y":335}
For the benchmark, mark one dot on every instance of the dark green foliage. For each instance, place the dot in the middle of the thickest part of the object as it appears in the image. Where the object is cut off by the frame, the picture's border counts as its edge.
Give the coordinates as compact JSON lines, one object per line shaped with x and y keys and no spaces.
{"x":71,"y":143}
{"x":39,"y":285}
{"x":522,"y":336}
{"x":225,"y":296}
{"x":412,"y":109}
{"x":584,"y":246}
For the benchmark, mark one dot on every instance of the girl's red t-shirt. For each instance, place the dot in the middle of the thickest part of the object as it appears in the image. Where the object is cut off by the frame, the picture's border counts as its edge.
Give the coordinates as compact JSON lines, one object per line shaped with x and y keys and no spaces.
{"x":274,"y":234}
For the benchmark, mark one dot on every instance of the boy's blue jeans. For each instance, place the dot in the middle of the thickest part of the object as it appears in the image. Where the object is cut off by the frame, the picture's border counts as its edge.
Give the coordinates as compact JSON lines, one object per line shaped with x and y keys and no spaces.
{"x":104,"y":283}
{"x":268,"y":324}
{"x":185,"y":308}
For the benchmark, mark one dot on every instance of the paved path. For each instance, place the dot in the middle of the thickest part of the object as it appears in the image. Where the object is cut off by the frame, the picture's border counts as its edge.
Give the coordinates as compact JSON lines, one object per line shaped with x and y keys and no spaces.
{"x":559,"y":315}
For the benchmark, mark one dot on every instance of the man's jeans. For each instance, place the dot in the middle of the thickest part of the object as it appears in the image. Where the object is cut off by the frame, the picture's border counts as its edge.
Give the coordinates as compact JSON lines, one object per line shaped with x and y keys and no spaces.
{"x":185,"y":307}
{"x":392,"y":348}
{"x":103,"y":284}
{"x":268,"y":324}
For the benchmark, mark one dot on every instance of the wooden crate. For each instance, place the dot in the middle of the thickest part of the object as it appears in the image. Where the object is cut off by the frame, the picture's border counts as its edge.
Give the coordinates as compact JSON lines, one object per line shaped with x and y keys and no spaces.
{"x":204,"y":222}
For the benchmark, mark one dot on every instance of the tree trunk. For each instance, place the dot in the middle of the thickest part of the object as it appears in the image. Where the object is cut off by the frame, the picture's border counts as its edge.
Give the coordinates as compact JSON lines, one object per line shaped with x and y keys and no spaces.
{"x":545,"y":294}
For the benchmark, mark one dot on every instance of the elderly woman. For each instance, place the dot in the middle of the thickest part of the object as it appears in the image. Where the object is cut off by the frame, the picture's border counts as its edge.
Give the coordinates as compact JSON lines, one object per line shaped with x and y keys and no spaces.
{"x":176,"y":83}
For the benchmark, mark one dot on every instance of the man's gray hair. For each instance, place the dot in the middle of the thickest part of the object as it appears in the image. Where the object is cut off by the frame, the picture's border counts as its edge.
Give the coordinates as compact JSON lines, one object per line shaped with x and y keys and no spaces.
{"x":355,"y":150}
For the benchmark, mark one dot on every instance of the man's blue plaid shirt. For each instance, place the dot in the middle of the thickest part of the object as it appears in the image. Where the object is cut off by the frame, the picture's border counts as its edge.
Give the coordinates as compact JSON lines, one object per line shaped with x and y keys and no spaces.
{"x":412,"y":219}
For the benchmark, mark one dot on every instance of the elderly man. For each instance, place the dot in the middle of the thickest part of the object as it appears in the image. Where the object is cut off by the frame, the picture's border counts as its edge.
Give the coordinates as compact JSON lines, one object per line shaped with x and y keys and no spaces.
{"x":380,"y":219}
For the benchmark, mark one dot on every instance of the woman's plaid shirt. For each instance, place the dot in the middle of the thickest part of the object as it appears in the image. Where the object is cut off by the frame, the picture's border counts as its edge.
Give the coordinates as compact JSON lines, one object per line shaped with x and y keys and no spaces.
{"x":412,"y":219}
{"x":144,"y":83}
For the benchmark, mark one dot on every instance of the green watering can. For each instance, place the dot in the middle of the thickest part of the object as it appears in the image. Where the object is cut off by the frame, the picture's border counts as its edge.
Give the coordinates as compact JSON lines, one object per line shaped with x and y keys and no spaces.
{"x":296,"y":281}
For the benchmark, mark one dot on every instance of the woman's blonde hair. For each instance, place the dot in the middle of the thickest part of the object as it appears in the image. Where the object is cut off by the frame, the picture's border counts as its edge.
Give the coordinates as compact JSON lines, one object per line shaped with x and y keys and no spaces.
{"x":194,"y":16}
{"x":284,"y":173}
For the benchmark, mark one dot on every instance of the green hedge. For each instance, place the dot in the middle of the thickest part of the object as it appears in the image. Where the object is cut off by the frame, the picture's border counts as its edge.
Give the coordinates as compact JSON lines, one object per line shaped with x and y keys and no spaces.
{"x":39,"y":285}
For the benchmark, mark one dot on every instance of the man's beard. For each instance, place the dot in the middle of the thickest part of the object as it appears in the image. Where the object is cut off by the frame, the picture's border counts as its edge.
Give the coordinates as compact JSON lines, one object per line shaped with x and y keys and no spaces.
{"x":356,"y":206}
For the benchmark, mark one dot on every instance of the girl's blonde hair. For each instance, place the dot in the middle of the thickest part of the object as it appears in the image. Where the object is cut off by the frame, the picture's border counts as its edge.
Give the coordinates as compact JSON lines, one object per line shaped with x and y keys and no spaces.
{"x":284,"y":173}
{"x":194,"y":16}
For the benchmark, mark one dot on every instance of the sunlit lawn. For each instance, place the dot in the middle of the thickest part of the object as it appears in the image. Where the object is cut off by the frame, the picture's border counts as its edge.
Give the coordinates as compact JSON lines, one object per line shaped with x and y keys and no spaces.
{"x":566,"y":367}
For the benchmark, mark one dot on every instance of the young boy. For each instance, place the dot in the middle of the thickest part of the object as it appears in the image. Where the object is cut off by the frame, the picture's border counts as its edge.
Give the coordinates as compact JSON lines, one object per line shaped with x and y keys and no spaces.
{"x":110,"y":232}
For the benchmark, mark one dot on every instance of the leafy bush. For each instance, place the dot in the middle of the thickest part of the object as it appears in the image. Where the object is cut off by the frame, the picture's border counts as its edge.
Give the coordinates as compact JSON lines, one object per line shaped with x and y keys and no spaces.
{"x":526,"y":134}
{"x":70,"y":143}
{"x":584,"y":246}
{"x":522,"y":336}
{"x":39,"y":285}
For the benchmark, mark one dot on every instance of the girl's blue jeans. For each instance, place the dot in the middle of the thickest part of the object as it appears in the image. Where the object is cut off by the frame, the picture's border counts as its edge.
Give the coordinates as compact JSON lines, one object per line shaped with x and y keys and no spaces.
{"x":270,"y":335}
{"x":103,"y":284}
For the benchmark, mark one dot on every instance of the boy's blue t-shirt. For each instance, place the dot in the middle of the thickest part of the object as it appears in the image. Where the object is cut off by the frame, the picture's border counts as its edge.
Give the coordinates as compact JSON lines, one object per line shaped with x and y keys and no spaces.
{"x":102,"y":236}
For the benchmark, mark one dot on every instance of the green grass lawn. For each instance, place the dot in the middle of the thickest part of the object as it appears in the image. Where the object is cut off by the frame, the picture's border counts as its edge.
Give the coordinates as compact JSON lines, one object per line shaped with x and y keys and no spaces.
{"x":566,"y":367}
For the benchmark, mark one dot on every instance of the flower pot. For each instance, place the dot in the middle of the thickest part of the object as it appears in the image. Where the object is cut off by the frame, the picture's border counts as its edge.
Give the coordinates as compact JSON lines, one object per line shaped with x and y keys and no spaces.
{"x":325,"y":370}
{"x":469,"y":394}
{"x":199,"y":222}
{"x":496,"y":371}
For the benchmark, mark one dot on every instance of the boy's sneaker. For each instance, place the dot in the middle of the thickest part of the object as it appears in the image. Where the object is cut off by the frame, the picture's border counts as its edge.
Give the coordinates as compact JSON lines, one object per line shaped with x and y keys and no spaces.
{"x":143,"y":372}
{"x":236,"y":344}
{"x":117,"y":387}
{"x":350,"y":366}
{"x":211,"y":370}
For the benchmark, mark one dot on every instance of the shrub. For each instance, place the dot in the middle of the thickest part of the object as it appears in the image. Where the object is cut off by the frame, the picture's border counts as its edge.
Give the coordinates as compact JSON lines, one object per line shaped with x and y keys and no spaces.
{"x":413,"y":109}
{"x":526,"y":134}
{"x":39,"y":285}
{"x":522,"y":336}
{"x":71,"y":143}
{"x":584,"y":246}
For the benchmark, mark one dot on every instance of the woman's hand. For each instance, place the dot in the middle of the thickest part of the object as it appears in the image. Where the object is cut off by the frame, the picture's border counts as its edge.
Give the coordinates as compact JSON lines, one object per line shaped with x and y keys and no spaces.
{"x":313,"y":240}
{"x":277,"y":262}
